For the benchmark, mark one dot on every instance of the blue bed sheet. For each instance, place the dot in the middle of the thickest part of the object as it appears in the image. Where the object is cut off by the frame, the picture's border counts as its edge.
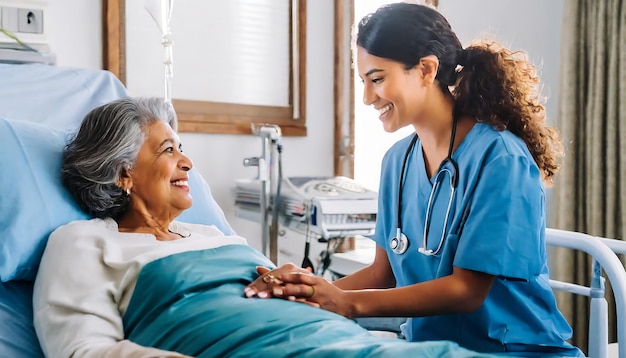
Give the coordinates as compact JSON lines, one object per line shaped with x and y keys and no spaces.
{"x":193,"y":303}
{"x":17,"y":334}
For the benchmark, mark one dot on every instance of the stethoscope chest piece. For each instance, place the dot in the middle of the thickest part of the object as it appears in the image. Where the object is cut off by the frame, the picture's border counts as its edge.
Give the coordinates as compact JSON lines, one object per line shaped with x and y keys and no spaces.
{"x":399,"y":244}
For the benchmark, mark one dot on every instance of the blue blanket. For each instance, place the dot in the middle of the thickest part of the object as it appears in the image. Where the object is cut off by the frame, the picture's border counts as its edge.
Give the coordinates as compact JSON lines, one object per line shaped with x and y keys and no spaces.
{"x":193,"y":303}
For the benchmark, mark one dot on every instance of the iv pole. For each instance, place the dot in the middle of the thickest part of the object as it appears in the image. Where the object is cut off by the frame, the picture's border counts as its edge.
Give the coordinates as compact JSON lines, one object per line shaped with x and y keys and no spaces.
{"x":267,"y":165}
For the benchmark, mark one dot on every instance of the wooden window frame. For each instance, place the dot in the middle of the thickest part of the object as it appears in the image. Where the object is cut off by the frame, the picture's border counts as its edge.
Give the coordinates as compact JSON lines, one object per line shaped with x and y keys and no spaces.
{"x":218,"y":117}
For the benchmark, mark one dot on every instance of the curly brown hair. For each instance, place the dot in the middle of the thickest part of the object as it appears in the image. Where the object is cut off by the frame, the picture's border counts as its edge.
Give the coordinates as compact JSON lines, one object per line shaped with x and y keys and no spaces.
{"x":501,"y":87}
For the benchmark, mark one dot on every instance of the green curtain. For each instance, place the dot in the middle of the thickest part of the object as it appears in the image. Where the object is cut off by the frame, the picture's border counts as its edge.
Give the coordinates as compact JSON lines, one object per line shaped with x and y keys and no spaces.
{"x":590,"y":190}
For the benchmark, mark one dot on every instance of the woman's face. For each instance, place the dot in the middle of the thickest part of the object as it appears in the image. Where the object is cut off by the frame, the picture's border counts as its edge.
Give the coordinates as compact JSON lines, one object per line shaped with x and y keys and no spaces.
{"x":396,"y":93}
{"x":159,"y":176}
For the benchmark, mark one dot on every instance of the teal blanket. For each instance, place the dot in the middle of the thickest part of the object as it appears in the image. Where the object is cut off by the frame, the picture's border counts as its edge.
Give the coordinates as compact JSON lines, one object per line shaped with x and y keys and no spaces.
{"x":193,"y":303}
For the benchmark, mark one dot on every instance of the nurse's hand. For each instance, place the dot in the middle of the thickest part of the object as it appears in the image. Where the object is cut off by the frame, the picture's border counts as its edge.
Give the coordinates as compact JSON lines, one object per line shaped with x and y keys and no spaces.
{"x":268,"y":283}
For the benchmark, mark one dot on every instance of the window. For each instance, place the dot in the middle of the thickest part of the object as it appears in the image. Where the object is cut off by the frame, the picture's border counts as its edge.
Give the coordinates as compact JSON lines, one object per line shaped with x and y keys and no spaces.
{"x":236,"y":62}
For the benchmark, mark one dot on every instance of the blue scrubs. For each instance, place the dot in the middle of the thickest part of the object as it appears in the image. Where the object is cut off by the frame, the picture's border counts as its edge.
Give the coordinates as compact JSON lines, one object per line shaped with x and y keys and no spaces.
{"x":500,"y":191}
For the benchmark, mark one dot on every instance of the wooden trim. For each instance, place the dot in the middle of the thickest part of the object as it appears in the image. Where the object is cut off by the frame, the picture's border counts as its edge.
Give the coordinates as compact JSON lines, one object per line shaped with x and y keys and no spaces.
{"x":114,"y":51}
{"x":208,"y":126}
{"x":213,"y":117}
{"x":343,"y":153}
{"x":302,"y":58}
{"x":229,"y":118}
{"x":338,"y":87}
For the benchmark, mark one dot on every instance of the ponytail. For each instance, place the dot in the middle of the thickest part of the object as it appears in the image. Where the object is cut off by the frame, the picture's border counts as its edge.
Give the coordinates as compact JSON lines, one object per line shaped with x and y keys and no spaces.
{"x":500,"y":87}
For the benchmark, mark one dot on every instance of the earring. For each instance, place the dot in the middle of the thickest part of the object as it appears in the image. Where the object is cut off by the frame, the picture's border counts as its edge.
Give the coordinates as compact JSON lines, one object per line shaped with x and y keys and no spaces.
{"x":128,"y":191}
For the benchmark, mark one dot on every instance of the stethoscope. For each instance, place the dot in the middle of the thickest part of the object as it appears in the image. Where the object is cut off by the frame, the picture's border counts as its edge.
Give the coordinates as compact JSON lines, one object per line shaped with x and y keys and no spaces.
{"x":400,"y":243}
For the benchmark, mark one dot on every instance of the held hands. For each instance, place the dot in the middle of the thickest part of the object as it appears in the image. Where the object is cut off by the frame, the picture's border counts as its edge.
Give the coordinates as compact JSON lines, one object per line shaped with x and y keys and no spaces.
{"x":269,"y":284}
{"x":316,"y":290}
{"x":297,"y":284}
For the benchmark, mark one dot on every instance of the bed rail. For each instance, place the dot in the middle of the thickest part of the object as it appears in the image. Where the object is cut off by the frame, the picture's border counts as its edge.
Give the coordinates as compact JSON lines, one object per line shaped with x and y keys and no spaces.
{"x":603,"y":251}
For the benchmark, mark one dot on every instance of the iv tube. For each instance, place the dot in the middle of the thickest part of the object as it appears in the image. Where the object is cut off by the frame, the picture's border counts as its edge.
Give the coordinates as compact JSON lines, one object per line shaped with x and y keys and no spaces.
{"x":164,"y":11}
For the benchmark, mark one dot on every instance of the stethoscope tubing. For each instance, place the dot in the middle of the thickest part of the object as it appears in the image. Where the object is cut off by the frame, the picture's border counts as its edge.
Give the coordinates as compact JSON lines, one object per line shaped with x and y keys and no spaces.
{"x":423,"y":249}
{"x":400,"y":243}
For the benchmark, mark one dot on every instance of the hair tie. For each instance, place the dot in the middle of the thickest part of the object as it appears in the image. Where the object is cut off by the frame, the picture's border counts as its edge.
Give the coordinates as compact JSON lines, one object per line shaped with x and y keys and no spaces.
{"x":461,"y":56}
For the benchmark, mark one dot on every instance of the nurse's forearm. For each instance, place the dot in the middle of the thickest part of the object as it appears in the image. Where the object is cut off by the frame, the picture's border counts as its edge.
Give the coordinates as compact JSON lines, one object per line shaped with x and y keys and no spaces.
{"x":462,"y":292}
{"x":378,"y":274}
{"x":365,"y":278}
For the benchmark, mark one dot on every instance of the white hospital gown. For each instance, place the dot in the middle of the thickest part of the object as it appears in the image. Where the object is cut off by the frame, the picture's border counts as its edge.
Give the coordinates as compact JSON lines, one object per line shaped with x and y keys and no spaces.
{"x":86,"y":280}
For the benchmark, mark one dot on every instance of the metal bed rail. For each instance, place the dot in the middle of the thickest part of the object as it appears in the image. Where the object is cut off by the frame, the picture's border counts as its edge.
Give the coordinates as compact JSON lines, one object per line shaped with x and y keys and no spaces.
{"x":603,"y":251}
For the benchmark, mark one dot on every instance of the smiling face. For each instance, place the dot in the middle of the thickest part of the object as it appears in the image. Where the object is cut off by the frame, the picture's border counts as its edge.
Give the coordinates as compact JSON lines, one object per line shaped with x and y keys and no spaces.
{"x":398,"y":94}
{"x":159,"y":178}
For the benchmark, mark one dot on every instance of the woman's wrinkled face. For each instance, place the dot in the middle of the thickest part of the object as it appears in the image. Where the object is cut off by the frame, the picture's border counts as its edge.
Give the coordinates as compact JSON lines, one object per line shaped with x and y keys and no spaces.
{"x":396,"y":93}
{"x":160,"y":174}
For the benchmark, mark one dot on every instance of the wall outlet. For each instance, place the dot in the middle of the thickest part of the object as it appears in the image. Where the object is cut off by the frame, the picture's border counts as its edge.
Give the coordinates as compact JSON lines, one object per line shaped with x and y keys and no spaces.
{"x":30,"y":21}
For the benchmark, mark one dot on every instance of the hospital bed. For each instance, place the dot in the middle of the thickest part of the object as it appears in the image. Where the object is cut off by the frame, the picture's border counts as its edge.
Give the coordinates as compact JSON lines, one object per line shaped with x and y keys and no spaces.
{"x":40,"y":105}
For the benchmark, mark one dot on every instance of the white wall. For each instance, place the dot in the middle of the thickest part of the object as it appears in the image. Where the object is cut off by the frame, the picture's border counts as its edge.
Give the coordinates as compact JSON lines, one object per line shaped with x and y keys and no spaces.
{"x":533,"y":26}
{"x":73,"y":29}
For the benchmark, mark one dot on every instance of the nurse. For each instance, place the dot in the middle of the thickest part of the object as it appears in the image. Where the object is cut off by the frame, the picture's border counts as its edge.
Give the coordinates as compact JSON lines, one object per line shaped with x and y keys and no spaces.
{"x":461,"y":219}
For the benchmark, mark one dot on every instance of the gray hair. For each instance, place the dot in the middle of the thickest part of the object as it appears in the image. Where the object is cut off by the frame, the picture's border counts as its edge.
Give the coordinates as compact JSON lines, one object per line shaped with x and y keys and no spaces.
{"x":105,"y":146}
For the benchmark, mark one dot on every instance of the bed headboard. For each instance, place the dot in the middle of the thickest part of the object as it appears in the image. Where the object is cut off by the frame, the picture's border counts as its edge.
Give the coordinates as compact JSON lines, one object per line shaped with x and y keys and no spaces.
{"x":57,"y":97}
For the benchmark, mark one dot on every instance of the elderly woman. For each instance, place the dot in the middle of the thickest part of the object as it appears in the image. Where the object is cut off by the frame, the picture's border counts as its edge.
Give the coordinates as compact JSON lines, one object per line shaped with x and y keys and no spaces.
{"x":132,"y":282}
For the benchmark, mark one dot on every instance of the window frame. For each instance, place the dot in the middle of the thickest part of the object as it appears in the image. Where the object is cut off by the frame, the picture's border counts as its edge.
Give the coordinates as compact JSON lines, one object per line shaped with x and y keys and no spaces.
{"x":218,"y":117}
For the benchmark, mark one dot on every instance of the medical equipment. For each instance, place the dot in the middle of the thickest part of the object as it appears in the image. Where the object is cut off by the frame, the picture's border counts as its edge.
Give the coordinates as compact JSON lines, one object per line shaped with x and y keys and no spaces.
{"x":327,"y":207}
{"x":331,"y":207}
{"x":269,"y":175}
{"x":400,"y":243}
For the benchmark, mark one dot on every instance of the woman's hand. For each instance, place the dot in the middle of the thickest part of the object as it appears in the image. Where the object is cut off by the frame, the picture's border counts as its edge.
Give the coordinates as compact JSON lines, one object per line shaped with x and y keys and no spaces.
{"x":269,"y":285}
